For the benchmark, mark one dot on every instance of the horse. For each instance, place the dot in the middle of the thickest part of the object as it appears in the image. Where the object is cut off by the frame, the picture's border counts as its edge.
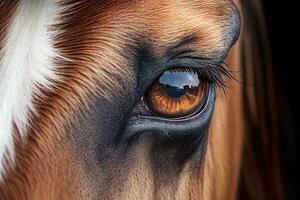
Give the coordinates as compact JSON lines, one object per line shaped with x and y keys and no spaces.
{"x":131,"y":99}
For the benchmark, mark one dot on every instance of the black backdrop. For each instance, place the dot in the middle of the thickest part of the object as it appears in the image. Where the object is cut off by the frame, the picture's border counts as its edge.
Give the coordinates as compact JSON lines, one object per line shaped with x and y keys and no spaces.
{"x":283,"y":26}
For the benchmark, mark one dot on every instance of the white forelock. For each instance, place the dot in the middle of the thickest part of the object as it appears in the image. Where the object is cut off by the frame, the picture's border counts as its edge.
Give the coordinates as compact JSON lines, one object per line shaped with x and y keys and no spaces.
{"x":25,"y":62}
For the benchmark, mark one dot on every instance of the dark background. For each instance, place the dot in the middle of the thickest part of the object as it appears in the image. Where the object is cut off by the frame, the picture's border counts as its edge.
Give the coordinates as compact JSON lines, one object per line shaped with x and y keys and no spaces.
{"x":283,"y":26}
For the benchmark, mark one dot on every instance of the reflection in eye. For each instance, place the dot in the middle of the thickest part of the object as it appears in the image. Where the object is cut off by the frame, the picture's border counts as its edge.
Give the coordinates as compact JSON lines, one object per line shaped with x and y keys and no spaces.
{"x":176,"y":93}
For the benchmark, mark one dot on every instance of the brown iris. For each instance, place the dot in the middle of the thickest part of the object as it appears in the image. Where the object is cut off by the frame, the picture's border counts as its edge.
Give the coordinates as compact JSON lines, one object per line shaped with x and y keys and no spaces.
{"x":176,"y":93}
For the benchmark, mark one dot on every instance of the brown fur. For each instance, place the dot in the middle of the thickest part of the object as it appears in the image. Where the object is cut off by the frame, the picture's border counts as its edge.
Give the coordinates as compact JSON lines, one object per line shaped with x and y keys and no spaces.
{"x":94,"y":39}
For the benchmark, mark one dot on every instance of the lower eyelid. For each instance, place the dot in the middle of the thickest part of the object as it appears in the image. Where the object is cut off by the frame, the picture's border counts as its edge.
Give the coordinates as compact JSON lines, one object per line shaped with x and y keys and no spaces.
{"x":139,"y":124}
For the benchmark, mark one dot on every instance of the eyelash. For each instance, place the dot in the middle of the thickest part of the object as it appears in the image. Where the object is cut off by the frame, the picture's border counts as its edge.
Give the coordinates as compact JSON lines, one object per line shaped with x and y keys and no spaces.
{"x":215,"y":75}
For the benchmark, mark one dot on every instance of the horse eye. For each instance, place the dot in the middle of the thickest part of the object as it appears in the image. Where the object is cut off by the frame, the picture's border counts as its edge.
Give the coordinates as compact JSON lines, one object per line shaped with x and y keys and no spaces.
{"x":176,"y":93}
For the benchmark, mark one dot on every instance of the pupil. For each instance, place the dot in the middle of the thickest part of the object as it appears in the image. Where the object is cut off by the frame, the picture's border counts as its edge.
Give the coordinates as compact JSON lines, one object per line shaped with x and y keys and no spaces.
{"x":174,"y":92}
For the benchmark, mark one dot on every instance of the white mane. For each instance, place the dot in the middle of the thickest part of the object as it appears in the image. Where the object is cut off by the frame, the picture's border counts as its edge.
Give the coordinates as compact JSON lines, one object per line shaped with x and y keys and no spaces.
{"x":25,"y":61}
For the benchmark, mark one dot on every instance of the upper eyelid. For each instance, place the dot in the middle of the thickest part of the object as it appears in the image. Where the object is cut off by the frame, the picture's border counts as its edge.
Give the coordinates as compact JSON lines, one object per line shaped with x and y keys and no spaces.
{"x":182,"y":53}
{"x":192,"y":62}
{"x":189,"y":44}
{"x":193,"y":53}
